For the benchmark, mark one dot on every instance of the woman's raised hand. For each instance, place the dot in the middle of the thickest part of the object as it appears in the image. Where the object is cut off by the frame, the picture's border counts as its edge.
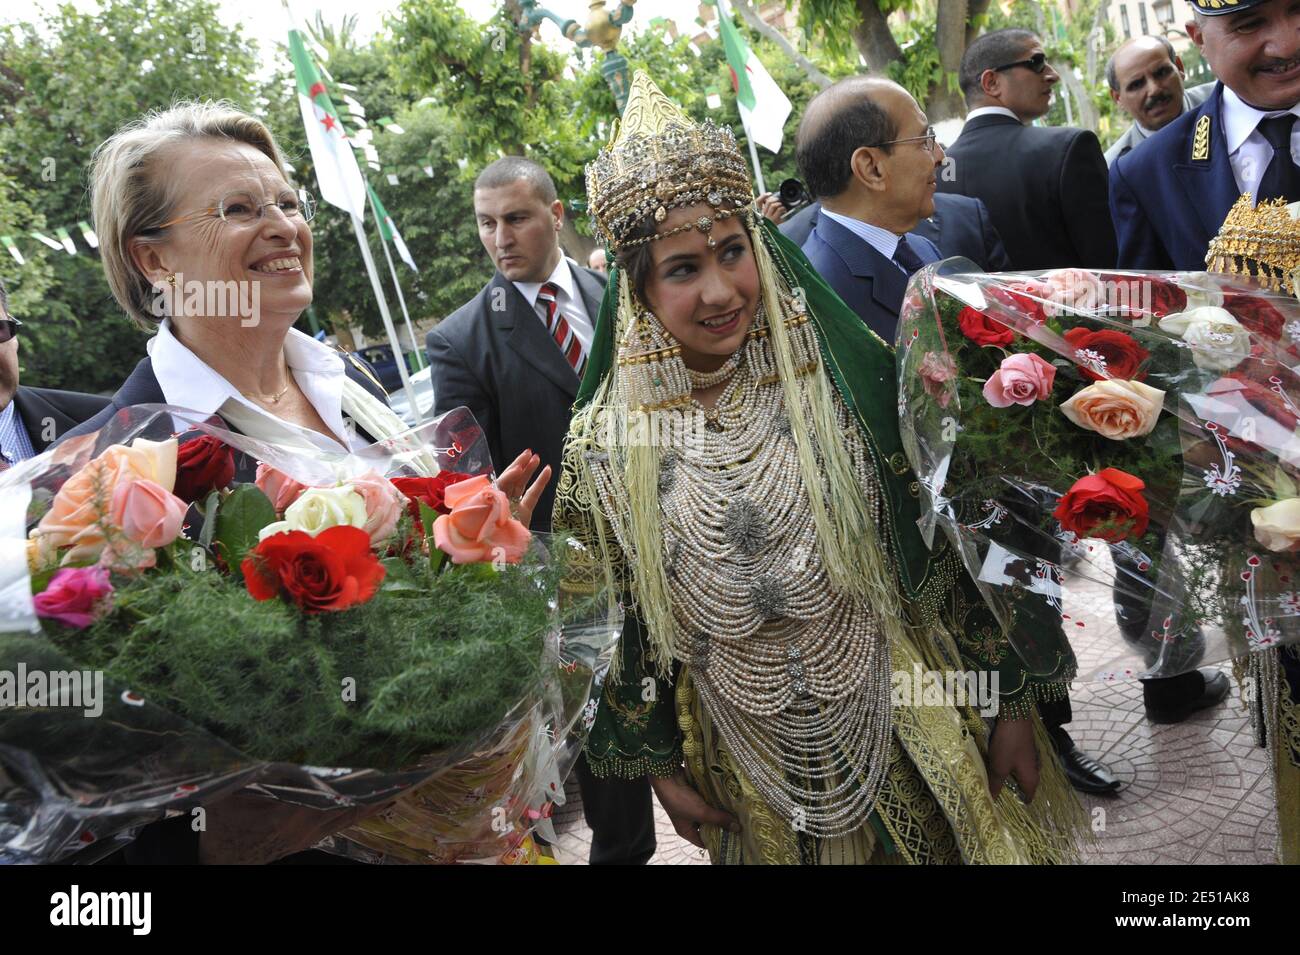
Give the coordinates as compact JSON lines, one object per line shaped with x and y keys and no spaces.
{"x":514,"y":483}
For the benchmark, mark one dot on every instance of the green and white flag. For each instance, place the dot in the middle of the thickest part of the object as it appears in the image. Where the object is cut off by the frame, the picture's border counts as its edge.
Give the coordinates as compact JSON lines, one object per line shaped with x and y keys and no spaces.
{"x":337,"y":174}
{"x":388,"y":229}
{"x":763,"y":107}
{"x":13,"y":249}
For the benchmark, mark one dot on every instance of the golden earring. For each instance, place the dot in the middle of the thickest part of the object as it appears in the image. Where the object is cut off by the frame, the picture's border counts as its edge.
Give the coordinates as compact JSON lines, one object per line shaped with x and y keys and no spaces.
{"x":171,"y":279}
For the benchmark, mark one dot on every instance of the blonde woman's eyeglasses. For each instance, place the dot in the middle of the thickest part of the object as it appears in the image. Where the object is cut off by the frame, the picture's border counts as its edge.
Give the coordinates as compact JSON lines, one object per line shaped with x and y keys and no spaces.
{"x":241,"y":208}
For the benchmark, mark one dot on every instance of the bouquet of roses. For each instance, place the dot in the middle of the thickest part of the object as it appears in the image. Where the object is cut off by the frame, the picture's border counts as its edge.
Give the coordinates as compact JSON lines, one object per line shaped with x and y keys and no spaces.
{"x":189,"y":617}
{"x":1111,"y":443}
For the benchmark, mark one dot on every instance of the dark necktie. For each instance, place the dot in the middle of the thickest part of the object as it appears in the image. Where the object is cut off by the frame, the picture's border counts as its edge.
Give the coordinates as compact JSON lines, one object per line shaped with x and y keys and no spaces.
{"x":1281,"y":180}
{"x":906,"y":258}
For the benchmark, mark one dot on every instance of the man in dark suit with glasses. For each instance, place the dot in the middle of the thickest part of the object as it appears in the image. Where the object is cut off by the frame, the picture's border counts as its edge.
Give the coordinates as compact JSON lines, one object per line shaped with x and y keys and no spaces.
{"x":1046,"y":188}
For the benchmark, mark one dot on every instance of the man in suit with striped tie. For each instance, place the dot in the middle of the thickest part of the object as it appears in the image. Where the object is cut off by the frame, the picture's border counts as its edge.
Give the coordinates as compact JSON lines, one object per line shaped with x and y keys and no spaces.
{"x":514,"y":355}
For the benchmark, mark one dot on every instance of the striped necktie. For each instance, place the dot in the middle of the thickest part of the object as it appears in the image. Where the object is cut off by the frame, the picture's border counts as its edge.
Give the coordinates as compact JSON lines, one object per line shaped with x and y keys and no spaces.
{"x":564,"y":337}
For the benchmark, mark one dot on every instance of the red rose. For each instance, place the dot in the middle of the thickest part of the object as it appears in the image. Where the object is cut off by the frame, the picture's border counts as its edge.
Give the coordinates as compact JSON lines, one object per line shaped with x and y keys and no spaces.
{"x":1121,"y":353}
{"x":1256,"y":314}
{"x":203,"y":465}
{"x":1264,"y":366}
{"x":1024,"y":298}
{"x":1139,"y":296}
{"x":983,"y":330}
{"x":1248,"y":396}
{"x":1108,"y":505}
{"x":427,"y":491}
{"x":332,"y":571}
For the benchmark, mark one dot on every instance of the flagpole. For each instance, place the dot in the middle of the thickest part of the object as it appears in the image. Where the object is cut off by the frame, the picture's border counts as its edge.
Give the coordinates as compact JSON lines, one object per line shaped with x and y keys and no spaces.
{"x":758,"y":171}
{"x":401,"y":299}
{"x":388,"y":318}
{"x":753,"y":150}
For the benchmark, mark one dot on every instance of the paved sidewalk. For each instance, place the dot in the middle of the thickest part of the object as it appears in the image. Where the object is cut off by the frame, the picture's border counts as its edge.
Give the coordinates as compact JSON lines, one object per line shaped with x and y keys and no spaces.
{"x":1196,"y":792}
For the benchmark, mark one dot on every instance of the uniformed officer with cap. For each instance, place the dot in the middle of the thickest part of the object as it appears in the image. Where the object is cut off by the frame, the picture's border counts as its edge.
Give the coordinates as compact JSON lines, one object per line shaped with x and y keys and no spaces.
{"x":1169,"y":198}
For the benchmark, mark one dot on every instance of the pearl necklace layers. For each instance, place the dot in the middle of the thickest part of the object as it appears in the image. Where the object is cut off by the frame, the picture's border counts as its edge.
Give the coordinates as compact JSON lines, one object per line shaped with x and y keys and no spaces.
{"x":794,"y":675}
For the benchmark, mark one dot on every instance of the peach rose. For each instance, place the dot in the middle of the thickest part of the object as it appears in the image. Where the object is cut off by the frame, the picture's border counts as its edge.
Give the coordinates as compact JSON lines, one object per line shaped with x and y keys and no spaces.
{"x":384,"y":505}
{"x":479,"y":527}
{"x":1021,"y":380}
{"x":1115,"y":408}
{"x":278,"y":486}
{"x":76,"y":516}
{"x":1277,"y":526}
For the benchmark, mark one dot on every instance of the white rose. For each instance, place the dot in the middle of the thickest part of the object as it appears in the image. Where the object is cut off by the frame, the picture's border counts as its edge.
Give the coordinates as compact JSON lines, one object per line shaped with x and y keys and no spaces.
{"x":1201,"y":290}
{"x":1219,"y":342}
{"x":320,"y":508}
{"x":1277,"y":526}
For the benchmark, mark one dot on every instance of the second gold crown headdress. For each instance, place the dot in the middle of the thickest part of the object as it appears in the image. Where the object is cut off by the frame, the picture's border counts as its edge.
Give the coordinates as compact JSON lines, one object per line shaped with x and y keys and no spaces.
{"x":1261,"y":241}
{"x":660,"y":159}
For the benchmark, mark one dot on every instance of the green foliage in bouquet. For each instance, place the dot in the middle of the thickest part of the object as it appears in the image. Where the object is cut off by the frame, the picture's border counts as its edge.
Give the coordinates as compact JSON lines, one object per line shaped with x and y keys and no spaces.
{"x":434,"y":660}
{"x":1038,"y":442}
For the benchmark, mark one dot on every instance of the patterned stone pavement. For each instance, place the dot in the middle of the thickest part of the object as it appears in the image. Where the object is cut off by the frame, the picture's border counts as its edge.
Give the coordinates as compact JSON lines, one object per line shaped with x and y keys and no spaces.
{"x":1196,"y":792}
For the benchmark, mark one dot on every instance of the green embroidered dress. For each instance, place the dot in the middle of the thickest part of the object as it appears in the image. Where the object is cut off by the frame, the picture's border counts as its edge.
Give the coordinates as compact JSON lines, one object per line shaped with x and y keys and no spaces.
{"x":929,"y":800}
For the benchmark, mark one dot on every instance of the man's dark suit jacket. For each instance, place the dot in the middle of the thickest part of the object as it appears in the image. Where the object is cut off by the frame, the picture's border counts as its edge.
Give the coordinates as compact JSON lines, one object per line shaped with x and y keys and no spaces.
{"x":1168,"y":200}
{"x":1045,"y":187}
{"x":960,"y":226}
{"x":48,"y":414}
{"x":502,"y":365}
{"x":869,"y":283}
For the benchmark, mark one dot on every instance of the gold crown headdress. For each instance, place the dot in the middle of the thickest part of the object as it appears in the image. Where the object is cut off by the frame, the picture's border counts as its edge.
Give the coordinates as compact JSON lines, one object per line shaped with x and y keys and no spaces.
{"x":659,"y":159}
{"x":1261,"y":241}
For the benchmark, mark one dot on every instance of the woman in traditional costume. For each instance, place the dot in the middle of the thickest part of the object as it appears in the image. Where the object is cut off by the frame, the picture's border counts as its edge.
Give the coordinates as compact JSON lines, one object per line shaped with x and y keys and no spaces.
{"x":735,"y":468}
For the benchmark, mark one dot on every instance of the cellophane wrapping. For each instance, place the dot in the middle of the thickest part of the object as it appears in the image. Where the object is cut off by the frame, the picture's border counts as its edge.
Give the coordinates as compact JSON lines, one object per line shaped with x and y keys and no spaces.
{"x":75,"y":785}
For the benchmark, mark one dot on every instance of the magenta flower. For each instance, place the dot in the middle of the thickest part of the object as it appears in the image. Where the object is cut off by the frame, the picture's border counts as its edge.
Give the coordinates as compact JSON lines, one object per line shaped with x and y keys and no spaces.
{"x":76,"y":596}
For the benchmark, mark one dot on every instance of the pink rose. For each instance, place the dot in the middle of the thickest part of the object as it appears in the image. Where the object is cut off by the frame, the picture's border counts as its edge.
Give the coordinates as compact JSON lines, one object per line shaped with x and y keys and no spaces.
{"x":384,"y":505}
{"x":148,"y":514}
{"x":479,"y":528}
{"x":1021,"y":380}
{"x":935,"y":371}
{"x":76,"y":596}
{"x":278,"y":486}
{"x":1074,"y":290}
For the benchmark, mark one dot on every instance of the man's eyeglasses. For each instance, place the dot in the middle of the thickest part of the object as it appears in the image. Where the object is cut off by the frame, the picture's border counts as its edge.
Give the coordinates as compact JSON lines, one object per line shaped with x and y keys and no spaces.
{"x":1037,"y":63}
{"x":930,"y":138}
{"x":240,"y":208}
{"x":9,"y":329}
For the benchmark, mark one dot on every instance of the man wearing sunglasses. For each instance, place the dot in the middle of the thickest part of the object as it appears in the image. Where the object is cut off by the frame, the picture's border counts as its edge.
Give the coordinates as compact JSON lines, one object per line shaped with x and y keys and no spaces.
{"x":31,"y":419}
{"x":1045,"y":187}
{"x":1171,"y":196}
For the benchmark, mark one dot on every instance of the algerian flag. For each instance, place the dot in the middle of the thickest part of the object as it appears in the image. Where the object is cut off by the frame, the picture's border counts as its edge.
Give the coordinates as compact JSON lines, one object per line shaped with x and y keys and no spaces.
{"x":763,"y":107}
{"x":337,"y":174}
{"x":388,"y":229}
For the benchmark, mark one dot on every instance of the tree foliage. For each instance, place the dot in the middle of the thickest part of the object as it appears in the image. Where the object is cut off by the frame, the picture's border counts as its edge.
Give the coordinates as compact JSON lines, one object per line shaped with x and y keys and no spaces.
{"x":464,"y":93}
{"x":64,"y":88}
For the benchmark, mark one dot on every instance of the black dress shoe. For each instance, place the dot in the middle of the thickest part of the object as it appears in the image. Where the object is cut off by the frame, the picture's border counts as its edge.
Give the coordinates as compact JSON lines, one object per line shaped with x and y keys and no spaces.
{"x":1085,"y":773}
{"x":1165,"y":707}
